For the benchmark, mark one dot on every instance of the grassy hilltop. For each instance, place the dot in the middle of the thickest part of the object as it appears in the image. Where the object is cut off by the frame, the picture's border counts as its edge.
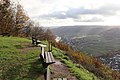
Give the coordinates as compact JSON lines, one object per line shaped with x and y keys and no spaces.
{"x":19,"y":61}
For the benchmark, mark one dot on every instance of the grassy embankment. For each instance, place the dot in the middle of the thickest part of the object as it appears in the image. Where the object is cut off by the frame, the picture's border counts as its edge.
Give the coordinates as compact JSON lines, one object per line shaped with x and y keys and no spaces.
{"x":19,"y":61}
{"x":78,"y":70}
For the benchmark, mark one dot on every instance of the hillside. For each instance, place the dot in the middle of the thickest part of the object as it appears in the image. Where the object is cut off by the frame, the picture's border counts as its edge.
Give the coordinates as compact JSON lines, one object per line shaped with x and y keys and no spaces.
{"x":19,"y":60}
{"x":95,"y":45}
{"x":94,"y":40}
{"x":78,"y":31}
{"x":77,"y":69}
{"x":98,"y":42}
{"x":113,"y":33}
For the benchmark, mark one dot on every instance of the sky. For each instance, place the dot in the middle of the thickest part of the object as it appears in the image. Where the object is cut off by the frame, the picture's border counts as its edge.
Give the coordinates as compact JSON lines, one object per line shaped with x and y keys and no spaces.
{"x":73,"y":12}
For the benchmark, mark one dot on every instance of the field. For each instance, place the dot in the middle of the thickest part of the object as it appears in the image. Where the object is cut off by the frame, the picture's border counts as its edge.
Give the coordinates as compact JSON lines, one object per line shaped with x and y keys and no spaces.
{"x":19,"y":60}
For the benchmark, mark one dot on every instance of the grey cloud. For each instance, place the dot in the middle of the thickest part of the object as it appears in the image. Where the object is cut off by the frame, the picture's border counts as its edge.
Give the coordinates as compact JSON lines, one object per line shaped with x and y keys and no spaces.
{"x":106,"y":10}
{"x":48,"y":1}
{"x":94,"y":19}
{"x":59,"y":15}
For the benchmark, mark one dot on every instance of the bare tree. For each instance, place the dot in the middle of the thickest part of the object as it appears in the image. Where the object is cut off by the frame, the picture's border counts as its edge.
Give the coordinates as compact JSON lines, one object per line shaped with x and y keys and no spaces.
{"x":49,"y":35}
{"x":37,"y":31}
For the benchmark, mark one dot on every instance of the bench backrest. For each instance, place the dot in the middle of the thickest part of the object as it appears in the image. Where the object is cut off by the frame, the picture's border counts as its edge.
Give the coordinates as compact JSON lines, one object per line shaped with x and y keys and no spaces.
{"x":42,"y":48}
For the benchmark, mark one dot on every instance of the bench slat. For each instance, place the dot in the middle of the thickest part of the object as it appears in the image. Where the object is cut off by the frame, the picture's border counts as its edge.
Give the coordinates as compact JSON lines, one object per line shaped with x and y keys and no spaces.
{"x":64,"y":79}
{"x":55,"y":79}
{"x":46,"y":57}
{"x":49,"y":58}
{"x":53,"y":60}
{"x":59,"y":79}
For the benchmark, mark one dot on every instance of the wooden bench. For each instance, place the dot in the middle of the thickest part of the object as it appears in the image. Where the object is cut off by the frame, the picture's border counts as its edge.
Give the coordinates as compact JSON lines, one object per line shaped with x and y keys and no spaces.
{"x":5,"y":34}
{"x":38,"y":41}
{"x":35,"y":41}
{"x":47,"y":59}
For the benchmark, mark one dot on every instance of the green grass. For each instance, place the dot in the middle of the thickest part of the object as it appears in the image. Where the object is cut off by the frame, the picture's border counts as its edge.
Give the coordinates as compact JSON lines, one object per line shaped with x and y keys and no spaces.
{"x":16,"y":64}
{"x":25,"y":65}
{"x":79,"y":72}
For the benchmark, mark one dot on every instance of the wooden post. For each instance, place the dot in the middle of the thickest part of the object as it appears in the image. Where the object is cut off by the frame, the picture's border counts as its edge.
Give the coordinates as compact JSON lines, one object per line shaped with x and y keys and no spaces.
{"x":48,"y":74}
{"x":49,"y":46}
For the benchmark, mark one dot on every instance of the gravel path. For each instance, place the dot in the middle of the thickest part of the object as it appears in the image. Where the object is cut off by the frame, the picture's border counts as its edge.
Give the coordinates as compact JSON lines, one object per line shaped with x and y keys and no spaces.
{"x":60,"y":70}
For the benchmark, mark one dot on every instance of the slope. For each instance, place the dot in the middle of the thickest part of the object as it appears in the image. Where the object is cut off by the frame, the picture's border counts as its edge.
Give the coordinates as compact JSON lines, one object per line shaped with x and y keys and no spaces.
{"x":76,"y":69}
{"x":19,"y":60}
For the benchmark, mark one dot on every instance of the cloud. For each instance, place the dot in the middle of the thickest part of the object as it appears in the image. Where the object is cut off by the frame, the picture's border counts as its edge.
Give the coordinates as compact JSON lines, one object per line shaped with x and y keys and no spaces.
{"x":94,"y":19}
{"x":106,"y":10}
{"x":71,"y":11}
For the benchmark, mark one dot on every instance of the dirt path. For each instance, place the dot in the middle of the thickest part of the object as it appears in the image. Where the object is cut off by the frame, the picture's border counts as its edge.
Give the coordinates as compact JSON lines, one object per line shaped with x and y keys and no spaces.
{"x":27,"y":47}
{"x":60,"y":70}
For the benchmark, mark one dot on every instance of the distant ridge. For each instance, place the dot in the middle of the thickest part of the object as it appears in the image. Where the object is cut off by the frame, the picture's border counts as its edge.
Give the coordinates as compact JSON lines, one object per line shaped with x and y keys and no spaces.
{"x":72,"y":31}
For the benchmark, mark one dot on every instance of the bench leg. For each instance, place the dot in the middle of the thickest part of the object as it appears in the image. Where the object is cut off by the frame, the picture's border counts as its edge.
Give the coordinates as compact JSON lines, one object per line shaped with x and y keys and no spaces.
{"x":47,"y":74}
